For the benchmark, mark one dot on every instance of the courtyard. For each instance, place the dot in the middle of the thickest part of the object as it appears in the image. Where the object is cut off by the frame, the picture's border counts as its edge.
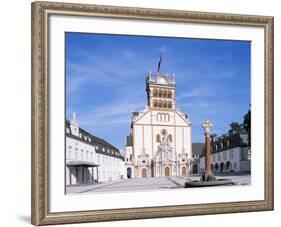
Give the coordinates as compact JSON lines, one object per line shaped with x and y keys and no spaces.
{"x":159,"y":183}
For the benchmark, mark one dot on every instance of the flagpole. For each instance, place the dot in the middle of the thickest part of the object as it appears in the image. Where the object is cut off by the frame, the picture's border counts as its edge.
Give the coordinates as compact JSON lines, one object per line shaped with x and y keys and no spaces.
{"x":159,"y":64}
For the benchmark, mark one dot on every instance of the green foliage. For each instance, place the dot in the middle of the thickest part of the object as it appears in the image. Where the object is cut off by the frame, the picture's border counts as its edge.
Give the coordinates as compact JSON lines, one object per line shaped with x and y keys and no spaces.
{"x":235,"y":127}
{"x":247,"y":125}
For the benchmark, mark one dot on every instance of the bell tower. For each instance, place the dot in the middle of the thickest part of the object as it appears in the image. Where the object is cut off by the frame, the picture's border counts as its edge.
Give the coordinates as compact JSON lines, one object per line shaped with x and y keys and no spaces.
{"x":160,"y":91}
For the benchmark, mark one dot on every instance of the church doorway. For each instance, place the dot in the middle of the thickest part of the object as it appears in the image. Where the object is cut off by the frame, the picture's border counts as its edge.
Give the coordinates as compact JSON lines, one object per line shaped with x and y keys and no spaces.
{"x":167,"y":171}
{"x":129,"y":172}
{"x":144,"y":173}
{"x":183,"y":171}
{"x":195,"y":168}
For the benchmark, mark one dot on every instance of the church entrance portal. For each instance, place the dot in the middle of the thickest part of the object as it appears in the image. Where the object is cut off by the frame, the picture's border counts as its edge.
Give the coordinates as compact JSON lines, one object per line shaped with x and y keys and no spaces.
{"x":183,"y":171}
{"x":144,"y":173}
{"x":129,"y":172}
{"x":167,"y":171}
{"x":195,"y":168}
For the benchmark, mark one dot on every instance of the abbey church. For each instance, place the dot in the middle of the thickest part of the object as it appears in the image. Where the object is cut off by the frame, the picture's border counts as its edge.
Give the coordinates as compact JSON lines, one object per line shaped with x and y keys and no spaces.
{"x":160,"y":140}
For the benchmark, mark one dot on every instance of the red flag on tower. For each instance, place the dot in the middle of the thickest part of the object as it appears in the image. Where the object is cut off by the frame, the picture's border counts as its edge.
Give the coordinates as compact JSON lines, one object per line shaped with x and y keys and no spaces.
{"x":159,"y":64}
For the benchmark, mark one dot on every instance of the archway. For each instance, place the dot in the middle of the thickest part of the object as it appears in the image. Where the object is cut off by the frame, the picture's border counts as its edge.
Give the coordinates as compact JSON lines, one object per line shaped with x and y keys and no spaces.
{"x":129,"y":172}
{"x":183,"y":171}
{"x":195,"y":168}
{"x":167,"y":171}
{"x":144,"y":173}
{"x":222,"y":167}
{"x":216,"y":167}
{"x":229,"y":166}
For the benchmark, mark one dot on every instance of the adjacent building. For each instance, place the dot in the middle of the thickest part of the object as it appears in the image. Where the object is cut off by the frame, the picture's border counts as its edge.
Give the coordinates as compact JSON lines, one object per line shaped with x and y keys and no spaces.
{"x":90,"y":159}
{"x":160,"y":140}
{"x":197,"y":153}
{"x":229,"y":153}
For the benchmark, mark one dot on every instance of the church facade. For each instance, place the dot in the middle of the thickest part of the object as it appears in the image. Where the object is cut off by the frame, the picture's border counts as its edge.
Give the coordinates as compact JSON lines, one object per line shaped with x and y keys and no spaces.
{"x":160,"y":140}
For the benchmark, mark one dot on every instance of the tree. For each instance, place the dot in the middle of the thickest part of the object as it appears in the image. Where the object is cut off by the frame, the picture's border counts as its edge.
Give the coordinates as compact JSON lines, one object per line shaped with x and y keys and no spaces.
{"x":235,"y":127}
{"x":247,"y":121}
{"x":247,"y":125}
{"x":213,"y":136}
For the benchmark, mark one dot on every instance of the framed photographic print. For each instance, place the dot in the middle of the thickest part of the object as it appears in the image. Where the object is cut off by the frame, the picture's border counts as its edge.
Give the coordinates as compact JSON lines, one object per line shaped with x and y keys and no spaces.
{"x":149,"y":113}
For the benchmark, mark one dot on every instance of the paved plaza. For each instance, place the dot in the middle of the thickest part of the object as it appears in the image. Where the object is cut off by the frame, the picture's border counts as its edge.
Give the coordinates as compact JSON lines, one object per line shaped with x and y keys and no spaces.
{"x":140,"y":184}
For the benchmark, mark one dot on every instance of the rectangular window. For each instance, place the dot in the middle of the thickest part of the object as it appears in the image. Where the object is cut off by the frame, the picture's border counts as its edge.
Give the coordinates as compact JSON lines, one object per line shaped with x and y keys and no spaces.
{"x":219,"y":157}
{"x":231,"y":154}
{"x":224,"y":155}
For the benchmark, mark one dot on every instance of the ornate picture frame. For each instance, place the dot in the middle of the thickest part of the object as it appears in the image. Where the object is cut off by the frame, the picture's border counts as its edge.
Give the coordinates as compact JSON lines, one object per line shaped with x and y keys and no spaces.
{"x":41,"y":12}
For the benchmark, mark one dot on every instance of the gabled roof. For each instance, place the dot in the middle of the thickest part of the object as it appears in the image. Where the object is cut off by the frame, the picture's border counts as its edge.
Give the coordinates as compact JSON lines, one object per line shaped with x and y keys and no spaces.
{"x":97,"y":142}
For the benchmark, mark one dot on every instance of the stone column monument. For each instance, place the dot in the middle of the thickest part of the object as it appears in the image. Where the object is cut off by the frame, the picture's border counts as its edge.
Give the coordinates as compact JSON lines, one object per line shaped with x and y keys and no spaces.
{"x":208,"y":178}
{"x":207,"y":175}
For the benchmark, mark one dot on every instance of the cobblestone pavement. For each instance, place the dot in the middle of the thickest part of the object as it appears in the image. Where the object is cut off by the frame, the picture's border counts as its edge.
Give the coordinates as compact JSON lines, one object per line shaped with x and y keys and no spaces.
{"x":140,"y":184}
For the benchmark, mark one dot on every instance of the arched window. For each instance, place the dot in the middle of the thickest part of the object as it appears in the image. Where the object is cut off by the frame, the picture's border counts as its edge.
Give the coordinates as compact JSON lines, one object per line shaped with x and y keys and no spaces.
{"x":168,"y":117}
{"x":154,"y":92}
{"x":169,"y":94}
{"x":155,"y":103}
{"x":158,"y":138}
{"x":169,"y":104}
{"x":164,"y":93}
{"x":160,"y":104}
{"x":160,"y":93}
{"x":165,"y":104}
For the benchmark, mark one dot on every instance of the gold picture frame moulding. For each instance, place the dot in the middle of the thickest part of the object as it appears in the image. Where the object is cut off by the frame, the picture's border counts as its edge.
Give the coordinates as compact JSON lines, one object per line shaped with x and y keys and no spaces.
{"x":40,"y":119}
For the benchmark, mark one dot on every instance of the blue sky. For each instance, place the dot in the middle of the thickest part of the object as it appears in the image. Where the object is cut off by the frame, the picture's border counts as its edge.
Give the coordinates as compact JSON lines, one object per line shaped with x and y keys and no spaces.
{"x":105,"y":80}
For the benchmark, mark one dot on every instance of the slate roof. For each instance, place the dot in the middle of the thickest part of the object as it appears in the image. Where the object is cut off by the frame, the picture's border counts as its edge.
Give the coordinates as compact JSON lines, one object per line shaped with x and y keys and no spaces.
{"x":129,"y":140}
{"x":197,"y":149}
{"x":229,"y":141}
{"x":97,"y":142}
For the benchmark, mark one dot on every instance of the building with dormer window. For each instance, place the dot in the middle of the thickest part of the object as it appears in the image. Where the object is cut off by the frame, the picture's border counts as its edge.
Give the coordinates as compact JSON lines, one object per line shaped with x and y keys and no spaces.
{"x":90,"y":159}
{"x":160,"y":140}
{"x":229,"y":153}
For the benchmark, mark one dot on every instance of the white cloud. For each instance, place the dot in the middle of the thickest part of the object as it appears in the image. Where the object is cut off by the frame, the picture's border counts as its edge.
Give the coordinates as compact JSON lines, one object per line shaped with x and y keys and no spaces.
{"x":203,"y":91}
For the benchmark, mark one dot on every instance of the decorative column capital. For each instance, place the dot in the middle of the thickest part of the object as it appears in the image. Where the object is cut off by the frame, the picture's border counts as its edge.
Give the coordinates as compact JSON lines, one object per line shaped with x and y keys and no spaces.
{"x":207,"y":125}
